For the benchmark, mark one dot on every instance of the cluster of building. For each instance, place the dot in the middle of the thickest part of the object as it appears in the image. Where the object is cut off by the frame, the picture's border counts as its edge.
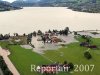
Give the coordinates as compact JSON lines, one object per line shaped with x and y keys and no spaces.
{"x":50,"y":38}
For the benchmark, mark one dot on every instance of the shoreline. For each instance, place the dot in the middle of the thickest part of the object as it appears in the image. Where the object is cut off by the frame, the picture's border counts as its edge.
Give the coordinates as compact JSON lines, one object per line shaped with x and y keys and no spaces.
{"x":95,"y":30}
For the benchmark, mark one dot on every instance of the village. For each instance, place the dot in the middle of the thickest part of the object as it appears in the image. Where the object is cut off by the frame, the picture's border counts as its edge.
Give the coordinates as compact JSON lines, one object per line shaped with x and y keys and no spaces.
{"x":41,"y":42}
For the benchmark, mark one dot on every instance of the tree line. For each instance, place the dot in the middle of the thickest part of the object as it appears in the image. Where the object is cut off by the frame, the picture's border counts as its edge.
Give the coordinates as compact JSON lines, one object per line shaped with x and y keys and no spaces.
{"x":4,"y":67}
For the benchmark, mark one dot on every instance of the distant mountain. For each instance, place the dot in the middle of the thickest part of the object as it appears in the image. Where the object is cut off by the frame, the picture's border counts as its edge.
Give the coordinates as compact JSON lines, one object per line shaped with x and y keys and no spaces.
{"x":6,"y":6}
{"x":31,"y":1}
{"x":92,"y":6}
{"x":25,"y":3}
{"x":77,"y":5}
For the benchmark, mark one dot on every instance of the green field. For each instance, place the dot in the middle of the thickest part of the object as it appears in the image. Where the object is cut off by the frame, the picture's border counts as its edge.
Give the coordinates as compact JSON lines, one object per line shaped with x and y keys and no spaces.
{"x":75,"y":54}
{"x":23,"y":58}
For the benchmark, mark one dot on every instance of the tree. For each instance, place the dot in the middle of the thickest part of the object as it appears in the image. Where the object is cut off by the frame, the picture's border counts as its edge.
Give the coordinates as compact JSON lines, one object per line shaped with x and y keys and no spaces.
{"x":65,"y":62}
{"x":6,"y":36}
{"x":34,"y":33}
{"x":60,"y":32}
{"x":24,"y":34}
{"x":39,"y":32}
{"x":87,"y":55}
{"x":1,"y":37}
{"x":49,"y":31}
{"x":29,"y":38}
{"x":44,"y":39}
{"x":66,"y":31}
{"x":4,"y":67}
{"x":15,"y":34}
{"x":71,"y":66}
{"x":75,"y":33}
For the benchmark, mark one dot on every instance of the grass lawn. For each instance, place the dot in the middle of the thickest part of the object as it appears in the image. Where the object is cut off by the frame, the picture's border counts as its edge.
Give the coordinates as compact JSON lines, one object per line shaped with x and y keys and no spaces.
{"x":23,"y":58}
{"x":75,"y":54}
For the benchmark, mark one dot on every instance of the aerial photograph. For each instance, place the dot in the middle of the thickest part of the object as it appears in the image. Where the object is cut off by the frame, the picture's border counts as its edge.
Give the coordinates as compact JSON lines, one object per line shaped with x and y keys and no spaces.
{"x":49,"y":37}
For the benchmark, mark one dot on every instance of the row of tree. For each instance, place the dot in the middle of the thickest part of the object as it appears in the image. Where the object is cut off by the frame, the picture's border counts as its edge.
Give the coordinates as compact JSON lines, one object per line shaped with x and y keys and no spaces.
{"x":61,"y":32}
{"x":4,"y":37}
{"x":4,"y":67}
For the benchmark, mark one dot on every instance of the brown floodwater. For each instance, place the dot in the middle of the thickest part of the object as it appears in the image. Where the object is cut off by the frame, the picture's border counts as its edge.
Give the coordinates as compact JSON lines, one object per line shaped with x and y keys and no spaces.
{"x":34,"y":18}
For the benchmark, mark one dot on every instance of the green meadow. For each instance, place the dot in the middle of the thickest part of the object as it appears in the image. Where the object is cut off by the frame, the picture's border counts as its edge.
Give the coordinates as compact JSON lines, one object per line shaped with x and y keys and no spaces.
{"x":24,"y":58}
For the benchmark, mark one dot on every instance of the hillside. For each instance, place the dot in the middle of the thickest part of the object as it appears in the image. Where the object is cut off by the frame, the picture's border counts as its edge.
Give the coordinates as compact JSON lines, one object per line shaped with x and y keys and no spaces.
{"x":25,"y":3}
{"x":6,"y":6}
{"x":92,"y":6}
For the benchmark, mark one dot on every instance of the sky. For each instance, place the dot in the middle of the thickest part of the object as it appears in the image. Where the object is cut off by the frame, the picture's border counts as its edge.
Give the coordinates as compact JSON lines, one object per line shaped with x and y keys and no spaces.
{"x":9,"y":0}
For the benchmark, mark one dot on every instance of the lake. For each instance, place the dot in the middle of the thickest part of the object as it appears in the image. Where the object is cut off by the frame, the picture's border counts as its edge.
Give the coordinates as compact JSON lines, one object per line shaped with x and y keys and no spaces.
{"x":34,"y":18}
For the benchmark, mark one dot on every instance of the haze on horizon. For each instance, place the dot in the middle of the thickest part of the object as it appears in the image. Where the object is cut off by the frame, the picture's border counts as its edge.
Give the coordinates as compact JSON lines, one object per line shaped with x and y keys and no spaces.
{"x":15,"y":0}
{"x":9,"y":0}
